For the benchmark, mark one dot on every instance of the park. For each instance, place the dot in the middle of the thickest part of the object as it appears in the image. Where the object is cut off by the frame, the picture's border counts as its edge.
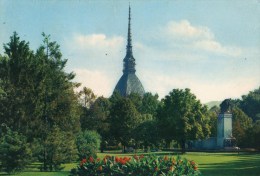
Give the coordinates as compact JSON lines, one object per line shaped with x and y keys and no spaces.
{"x":70,"y":117}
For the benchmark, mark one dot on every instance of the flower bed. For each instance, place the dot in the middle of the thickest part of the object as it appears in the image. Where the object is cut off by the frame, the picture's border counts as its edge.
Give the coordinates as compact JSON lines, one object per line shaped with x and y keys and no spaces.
{"x":137,"y":166}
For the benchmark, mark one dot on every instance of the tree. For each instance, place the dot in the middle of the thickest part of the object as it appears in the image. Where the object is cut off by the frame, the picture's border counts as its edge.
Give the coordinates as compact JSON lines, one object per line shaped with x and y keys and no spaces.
{"x":250,"y":104}
{"x":87,"y":97}
{"x":241,"y":122}
{"x":39,"y":94}
{"x":15,"y":153}
{"x":182,"y":117}
{"x":88,"y":143}
{"x":213,"y":119}
{"x":59,"y":147}
{"x":124,"y":119}
{"x":252,"y":136}
{"x":150,"y":103}
{"x":147,"y":134}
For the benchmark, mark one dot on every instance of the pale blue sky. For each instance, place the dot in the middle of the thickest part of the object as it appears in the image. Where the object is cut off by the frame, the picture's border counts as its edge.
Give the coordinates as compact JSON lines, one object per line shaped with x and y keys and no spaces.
{"x":210,"y":46}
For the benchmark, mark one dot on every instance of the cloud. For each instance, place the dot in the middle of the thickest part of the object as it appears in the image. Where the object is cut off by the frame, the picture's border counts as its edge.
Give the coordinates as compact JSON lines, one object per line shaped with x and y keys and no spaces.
{"x":204,"y":90}
{"x":183,"y":30}
{"x":98,"y":42}
{"x":100,"y":82}
{"x":94,"y":50}
{"x":197,"y":38}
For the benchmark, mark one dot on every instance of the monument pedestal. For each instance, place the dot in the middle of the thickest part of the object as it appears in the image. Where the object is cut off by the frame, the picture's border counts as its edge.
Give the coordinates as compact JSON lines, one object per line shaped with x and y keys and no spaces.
{"x":224,"y":129}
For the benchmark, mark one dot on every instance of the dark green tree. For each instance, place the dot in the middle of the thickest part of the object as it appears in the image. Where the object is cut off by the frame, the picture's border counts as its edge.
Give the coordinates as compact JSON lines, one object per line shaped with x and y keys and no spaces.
{"x":124,"y":119}
{"x":241,"y":122}
{"x":146,"y":134}
{"x":182,"y":117}
{"x":15,"y":153}
{"x":250,"y":104}
{"x":59,"y":147}
{"x":39,"y":94}
{"x":252,"y":136}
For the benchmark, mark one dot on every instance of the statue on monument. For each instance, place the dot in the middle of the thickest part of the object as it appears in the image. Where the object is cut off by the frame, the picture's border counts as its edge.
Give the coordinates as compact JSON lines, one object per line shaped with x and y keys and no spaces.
{"x":225,"y":106}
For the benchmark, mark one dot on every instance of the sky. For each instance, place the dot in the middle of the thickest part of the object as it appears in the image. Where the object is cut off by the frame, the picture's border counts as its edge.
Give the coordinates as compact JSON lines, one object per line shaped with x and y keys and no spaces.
{"x":209,"y":46}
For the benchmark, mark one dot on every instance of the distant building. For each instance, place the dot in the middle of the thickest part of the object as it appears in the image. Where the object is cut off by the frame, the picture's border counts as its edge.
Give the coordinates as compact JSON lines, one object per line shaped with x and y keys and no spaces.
{"x":129,"y":82}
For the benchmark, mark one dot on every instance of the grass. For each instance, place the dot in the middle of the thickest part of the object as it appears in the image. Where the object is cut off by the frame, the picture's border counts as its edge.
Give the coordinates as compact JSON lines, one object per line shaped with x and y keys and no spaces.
{"x":227,"y":164}
{"x":210,"y":164}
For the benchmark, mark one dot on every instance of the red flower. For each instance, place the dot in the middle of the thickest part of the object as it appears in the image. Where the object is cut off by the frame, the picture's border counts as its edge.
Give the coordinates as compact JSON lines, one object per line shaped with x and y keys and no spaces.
{"x":116,"y":159}
{"x":141,"y":156}
{"x":83,"y":161}
{"x":136,"y":157}
{"x":195,"y":168}
{"x":122,"y":161}
{"x":91,"y":159}
{"x":192,"y":163}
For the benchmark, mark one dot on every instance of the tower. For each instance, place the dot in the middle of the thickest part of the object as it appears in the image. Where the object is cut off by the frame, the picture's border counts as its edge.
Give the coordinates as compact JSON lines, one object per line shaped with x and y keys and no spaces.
{"x":129,"y":82}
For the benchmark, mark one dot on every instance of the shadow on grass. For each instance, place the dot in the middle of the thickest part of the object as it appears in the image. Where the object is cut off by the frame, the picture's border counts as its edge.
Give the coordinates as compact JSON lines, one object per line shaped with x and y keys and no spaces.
{"x":244,"y":165}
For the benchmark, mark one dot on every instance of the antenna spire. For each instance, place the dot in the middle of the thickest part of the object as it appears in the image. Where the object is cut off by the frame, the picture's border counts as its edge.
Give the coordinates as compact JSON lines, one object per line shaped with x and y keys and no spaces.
{"x":129,"y":35}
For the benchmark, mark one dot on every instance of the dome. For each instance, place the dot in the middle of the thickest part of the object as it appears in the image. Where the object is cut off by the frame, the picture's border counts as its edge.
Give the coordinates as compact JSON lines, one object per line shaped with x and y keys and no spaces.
{"x":129,"y":83}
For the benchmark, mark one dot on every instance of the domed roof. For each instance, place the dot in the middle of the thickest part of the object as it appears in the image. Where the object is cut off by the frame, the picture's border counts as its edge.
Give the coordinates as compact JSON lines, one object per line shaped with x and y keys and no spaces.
{"x":129,"y":82}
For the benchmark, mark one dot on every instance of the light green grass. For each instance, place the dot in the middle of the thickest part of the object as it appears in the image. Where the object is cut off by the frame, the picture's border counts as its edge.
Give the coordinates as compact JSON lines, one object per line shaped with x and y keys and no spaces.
{"x":210,"y":164}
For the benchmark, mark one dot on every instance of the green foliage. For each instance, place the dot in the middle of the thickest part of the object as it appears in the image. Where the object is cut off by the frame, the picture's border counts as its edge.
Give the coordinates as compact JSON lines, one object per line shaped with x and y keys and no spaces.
{"x":252,"y":136}
{"x":213,"y":119}
{"x":250,"y":104}
{"x":39,"y":94}
{"x":241,"y":122}
{"x":59,"y":147}
{"x":88,"y":143}
{"x":146,"y":134}
{"x":125,"y":118}
{"x":182,"y":117}
{"x":96,"y":117}
{"x":138,"y":166}
{"x":150,"y":103}
{"x":15,"y":153}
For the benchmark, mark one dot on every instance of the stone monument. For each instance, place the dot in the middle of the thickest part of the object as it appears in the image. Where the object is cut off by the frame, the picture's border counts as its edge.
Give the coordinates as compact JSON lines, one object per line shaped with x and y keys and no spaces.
{"x":224,"y":126}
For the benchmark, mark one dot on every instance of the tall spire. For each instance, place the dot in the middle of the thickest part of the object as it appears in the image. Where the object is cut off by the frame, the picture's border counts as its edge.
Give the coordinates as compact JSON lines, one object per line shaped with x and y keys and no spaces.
{"x":129,"y":60}
{"x":129,"y":37}
{"x":129,"y":82}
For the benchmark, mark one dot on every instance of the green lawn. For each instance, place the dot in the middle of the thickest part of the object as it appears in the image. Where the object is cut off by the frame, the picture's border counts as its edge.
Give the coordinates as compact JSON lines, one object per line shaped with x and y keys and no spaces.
{"x":227,"y":164}
{"x":210,"y":164}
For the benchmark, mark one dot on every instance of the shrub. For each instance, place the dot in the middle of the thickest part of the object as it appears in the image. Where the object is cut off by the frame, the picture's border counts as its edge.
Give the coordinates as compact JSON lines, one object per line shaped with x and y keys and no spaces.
{"x":137,"y":166}
{"x":88,"y":143}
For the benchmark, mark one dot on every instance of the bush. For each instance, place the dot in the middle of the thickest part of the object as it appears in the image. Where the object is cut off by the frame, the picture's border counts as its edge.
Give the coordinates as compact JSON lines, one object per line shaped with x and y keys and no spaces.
{"x":137,"y":166}
{"x":88,"y":144}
